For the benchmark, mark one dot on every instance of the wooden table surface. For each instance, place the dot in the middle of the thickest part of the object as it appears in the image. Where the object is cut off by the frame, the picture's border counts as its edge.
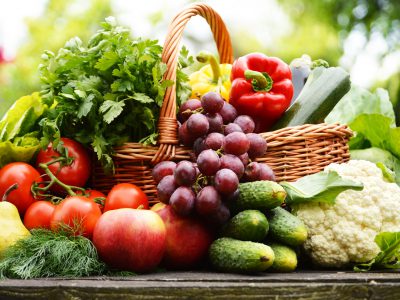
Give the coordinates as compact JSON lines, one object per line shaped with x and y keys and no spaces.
{"x":204,"y":285}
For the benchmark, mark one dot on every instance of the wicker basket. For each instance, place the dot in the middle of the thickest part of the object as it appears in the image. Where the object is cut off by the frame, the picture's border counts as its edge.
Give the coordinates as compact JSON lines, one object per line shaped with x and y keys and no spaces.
{"x":292,"y":152}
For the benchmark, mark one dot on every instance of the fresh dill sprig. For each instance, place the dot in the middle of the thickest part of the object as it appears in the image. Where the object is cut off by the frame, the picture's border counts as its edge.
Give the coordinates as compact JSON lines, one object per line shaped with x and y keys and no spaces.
{"x":51,"y":254}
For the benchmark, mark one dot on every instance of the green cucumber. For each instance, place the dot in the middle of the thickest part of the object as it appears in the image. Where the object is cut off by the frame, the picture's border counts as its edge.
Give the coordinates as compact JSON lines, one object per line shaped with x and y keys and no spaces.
{"x":286,"y":228}
{"x":248,"y":225}
{"x":230,"y":255}
{"x":260,"y":195}
{"x":322,"y":91}
{"x":285,"y":258}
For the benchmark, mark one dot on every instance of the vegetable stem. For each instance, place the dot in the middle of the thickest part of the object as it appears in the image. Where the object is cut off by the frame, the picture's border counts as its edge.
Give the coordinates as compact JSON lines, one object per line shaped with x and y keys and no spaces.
{"x":207,"y":57}
{"x":260,"y":81}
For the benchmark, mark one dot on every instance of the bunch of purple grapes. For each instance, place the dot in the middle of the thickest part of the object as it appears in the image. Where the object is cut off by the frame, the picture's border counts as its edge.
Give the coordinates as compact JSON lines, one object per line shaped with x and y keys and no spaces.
{"x":224,"y":147}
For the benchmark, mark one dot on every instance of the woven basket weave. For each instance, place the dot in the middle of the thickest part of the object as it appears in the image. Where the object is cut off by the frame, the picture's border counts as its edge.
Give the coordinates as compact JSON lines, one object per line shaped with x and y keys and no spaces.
{"x":293,"y":152}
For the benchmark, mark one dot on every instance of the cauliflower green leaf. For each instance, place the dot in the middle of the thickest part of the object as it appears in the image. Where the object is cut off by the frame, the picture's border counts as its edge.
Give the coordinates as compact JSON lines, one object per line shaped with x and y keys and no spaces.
{"x":389,"y":257}
{"x":319,"y":187}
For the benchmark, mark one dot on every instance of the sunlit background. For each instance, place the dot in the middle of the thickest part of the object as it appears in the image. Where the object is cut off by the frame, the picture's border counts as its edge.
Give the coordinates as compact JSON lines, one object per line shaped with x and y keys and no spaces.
{"x":363,"y":36}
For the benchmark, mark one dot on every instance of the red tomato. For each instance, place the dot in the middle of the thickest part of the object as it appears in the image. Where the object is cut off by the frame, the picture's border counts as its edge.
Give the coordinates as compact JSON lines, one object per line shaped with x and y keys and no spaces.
{"x":93,"y":194}
{"x":24,"y":176}
{"x":75,"y":174}
{"x":126,"y":195}
{"x":76,"y":210}
{"x":39,"y":214}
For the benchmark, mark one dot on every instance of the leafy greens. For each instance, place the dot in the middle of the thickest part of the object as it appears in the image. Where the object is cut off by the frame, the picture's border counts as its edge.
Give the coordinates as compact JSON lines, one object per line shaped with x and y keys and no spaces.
{"x":372,"y":118}
{"x":388,"y":257}
{"x":318,"y":187}
{"x":108,"y":91}
{"x":19,"y":130}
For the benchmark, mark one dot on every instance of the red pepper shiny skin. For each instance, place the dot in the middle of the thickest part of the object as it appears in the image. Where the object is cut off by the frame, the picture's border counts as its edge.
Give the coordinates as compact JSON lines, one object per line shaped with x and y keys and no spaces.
{"x":264,"y":101}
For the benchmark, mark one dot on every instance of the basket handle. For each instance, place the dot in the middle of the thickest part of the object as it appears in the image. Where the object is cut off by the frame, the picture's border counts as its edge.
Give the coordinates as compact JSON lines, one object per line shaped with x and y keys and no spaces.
{"x":167,"y":124}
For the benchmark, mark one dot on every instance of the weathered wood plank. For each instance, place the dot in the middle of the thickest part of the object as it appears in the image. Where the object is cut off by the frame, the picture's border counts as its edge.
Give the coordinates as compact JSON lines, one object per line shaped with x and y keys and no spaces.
{"x":203,"y":285}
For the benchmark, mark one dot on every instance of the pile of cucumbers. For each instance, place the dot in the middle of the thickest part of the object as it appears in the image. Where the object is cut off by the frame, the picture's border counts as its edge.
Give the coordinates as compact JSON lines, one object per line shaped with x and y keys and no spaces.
{"x":262,"y":235}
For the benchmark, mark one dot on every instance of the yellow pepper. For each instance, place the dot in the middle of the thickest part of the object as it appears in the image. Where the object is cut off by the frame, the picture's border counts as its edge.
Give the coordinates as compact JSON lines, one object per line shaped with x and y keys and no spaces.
{"x":213,"y":77}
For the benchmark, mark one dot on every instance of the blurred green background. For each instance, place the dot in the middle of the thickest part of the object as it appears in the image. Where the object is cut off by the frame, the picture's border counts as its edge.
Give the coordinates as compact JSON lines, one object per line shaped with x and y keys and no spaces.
{"x":363,"y":36}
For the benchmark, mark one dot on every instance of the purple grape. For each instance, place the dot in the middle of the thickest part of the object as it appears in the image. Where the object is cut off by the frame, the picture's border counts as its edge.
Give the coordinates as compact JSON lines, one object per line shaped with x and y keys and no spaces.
{"x":266,"y":173}
{"x":228,"y":113}
{"x":187,"y":108}
{"x":226,"y":181}
{"x":232,"y":127}
{"x":212,"y":102}
{"x":220,"y":217}
{"x":208,"y":201}
{"x":165,"y":188}
{"x":214,"y":141}
{"x":184,"y":136}
{"x":232,"y":162}
{"x":252,"y":171}
{"x":236,"y":143}
{"x":244,"y":159}
{"x":232,"y":197}
{"x":183,"y":201}
{"x":208,"y":162}
{"x":246,"y":123}
{"x":258,"y":145}
{"x":215,"y":121}
{"x":185,"y":173}
{"x":199,"y":146}
{"x":163,"y":169}
{"x":197,"y":125}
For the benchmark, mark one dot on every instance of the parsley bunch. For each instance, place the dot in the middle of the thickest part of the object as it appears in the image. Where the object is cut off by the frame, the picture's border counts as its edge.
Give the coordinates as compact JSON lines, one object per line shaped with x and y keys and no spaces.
{"x":107,"y":92}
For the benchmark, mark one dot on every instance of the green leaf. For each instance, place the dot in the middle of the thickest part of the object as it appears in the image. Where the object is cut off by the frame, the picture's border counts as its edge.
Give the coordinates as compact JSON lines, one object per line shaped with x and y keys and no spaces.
{"x":388,"y":257}
{"x":22,"y":150}
{"x":388,"y":175}
{"x":111,"y":110}
{"x":21,"y":117}
{"x":319,"y":187}
{"x":107,"y":61}
{"x":86,"y":106}
{"x":378,"y":130}
{"x":142,"y":98}
{"x":360,"y":101}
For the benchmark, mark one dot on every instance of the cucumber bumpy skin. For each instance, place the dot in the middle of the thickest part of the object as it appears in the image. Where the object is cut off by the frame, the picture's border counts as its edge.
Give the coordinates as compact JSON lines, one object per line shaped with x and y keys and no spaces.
{"x":286,"y":228}
{"x":248,"y":225}
{"x":285,"y":258}
{"x":260,"y":195}
{"x":230,"y":255}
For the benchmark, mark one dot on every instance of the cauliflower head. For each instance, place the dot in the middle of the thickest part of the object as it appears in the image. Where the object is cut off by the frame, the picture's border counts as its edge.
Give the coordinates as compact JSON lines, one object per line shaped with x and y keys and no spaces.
{"x":344,"y":233}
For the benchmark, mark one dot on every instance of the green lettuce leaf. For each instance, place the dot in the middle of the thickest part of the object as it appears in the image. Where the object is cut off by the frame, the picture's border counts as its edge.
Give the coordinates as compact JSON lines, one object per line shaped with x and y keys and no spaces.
{"x":21,"y":117}
{"x":319,"y":187}
{"x":360,"y":101}
{"x":21,"y":150}
{"x":388,"y":257}
{"x":378,"y":130}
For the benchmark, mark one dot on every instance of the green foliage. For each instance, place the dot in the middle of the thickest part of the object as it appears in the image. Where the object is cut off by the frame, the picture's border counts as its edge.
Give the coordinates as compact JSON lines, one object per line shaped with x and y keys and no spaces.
{"x":319,"y":187}
{"x":107,"y":91}
{"x":388,"y":257}
{"x":49,"y":254}
{"x":60,"y":21}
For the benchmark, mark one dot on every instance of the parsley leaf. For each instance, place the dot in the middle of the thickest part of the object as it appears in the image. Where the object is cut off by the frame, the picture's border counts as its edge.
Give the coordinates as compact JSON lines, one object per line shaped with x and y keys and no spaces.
{"x":108,"y":90}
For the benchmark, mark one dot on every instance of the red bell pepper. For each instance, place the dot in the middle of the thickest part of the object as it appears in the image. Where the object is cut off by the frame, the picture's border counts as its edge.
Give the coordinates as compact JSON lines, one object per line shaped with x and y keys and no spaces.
{"x":261,"y":88}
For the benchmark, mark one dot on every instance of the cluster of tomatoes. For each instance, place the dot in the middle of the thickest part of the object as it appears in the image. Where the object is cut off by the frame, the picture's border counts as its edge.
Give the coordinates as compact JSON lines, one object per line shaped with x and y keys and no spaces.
{"x":51,"y":192}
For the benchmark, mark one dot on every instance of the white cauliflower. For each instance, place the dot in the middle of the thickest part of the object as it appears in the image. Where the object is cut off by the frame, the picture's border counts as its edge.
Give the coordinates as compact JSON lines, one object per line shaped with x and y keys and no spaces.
{"x":344,"y":233}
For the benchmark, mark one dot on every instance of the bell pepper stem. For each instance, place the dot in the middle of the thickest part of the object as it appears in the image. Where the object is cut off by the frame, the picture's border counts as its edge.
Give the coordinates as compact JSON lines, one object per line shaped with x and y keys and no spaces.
{"x":260,"y":81}
{"x":207,"y":57}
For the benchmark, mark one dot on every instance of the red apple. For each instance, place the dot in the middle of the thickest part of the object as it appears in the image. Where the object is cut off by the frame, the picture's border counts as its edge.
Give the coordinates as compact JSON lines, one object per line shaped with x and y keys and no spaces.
{"x":188,"y":239}
{"x":130,"y":239}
